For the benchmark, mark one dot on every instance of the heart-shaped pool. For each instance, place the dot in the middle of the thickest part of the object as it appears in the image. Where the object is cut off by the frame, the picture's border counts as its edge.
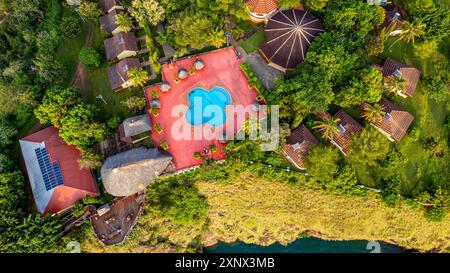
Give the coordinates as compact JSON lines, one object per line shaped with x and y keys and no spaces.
{"x":207,"y":107}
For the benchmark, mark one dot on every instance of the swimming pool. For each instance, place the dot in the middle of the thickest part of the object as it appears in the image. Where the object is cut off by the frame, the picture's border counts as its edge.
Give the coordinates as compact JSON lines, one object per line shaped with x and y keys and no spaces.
{"x":207,"y":107}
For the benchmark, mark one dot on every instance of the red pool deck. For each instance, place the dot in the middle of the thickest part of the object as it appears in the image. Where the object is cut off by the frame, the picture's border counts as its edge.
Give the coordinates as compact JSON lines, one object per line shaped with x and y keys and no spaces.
{"x":221,"y":69}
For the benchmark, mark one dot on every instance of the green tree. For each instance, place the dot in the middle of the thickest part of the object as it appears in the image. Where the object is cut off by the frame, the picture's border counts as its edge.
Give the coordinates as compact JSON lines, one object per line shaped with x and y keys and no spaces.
{"x":368,"y":146}
{"x":390,"y":190}
{"x":367,"y":86}
{"x":7,"y":132}
{"x":322,"y":163}
{"x":135,"y":103}
{"x":79,"y":128}
{"x":410,"y":31}
{"x":90,"y":57}
{"x":147,"y":11}
{"x":137,"y":77}
{"x":289,"y":3}
{"x":49,"y":70}
{"x":394,"y":84}
{"x":12,"y":191}
{"x":70,"y":27}
{"x":89,"y":9}
{"x":327,"y":126}
{"x":373,"y":113}
{"x":90,"y":160}
{"x":316,"y":5}
{"x":6,"y":163}
{"x":56,"y":104}
{"x":124,"y":21}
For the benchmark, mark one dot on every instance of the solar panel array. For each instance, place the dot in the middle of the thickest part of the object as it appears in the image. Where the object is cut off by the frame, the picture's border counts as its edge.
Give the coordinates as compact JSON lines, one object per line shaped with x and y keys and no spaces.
{"x":51,"y":172}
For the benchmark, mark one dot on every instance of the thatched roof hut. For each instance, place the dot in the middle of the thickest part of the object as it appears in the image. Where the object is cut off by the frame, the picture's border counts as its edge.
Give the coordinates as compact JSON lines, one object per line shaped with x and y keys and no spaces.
{"x":198,"y":64}
{"x":164,"y":86}
{"x":131,"y":171}
{"x":288,"y":36}
{"x":182,"y":73}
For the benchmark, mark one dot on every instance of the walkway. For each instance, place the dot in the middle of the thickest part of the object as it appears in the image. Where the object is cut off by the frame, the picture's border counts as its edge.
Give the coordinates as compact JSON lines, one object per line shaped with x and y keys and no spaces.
{"x":266,"y":74}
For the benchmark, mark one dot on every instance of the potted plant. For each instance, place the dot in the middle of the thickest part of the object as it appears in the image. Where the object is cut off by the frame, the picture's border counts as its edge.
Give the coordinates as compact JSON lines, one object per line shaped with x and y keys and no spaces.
{"x":155,"y":112}
{"x":259,"y":98}
{"x":176,"y":80}
{"x":197,"y":155}
{"x":191,"y":71}
{"x":213,"y":148}
{"x":158,"y":128}
{"x":155,"y":94}
{"x":164,"y":145}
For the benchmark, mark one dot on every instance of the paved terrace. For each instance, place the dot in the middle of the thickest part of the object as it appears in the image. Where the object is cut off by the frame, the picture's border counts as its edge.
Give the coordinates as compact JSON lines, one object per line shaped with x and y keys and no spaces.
{"x":221,"y":69}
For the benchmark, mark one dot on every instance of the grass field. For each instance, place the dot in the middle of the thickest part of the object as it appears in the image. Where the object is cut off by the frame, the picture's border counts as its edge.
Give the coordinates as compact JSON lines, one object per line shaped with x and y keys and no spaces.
{"x":253,"y":42}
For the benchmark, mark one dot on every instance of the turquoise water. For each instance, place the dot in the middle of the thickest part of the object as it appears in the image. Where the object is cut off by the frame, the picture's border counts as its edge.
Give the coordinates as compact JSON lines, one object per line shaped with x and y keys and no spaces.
{"x":304,"y":245}
{"x":207,"y":107}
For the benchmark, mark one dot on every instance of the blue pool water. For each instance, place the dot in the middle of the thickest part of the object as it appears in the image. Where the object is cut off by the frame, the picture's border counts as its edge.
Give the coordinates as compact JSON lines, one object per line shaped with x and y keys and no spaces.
{"x":207,"y":107}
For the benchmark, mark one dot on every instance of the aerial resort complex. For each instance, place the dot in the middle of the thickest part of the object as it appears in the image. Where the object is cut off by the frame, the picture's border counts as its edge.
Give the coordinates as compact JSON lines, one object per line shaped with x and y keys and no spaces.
{"x":224,"y":126}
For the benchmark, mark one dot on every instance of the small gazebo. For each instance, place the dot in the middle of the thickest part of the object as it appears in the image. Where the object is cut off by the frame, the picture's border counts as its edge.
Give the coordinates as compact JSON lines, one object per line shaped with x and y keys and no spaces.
{"x":182,"y":73}
{"x":164,"y":86}
{"x":199,"y":64}
{"x":155,"y":103}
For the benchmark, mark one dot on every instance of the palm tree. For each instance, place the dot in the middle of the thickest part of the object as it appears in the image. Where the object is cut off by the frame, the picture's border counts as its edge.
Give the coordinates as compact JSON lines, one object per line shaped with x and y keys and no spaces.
{"x":124,"y":22}
{"x":327,"y":126}
{"x":137,"y":77}
{"x":373,"y":113}
{"x":394,"y":84}
{"x":410,"y":31}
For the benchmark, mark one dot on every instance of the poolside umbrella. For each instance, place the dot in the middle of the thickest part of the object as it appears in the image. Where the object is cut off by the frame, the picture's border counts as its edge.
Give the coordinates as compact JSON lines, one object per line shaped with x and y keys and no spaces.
{"x":288,"y":36}
{"x":165,"y":86}
{"x":182,"y":73}
{"x":198,"y":64}
{"x":155,"y":103}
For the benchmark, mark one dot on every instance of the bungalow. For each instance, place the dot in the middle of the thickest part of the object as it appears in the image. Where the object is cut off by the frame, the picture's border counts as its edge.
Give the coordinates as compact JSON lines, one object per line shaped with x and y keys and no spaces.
{"x":347,"y":127}
{"x":261,"y":10}
{"x":393,"y":15}
{"x":410,"y":74}
{"x":55,"y":177}
{"x":135,"y":129}
{"x":297,"y":146}
{"x":395,"y":122}
{"x":108,"y":22}
{"x":118,"y":73}
{"x":130,"y":172}
{"x":121,"y":46}
{"x":109,"y":5}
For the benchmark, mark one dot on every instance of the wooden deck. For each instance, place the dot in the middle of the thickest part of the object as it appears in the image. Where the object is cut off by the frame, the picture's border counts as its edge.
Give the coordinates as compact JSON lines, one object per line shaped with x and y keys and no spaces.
{"x":113,"y":222}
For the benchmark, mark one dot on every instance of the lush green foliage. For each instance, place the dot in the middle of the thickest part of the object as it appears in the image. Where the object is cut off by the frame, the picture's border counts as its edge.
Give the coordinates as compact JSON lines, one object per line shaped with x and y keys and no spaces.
{"x":89,"y":9}
{"x":90,"y":57}
{"x":390,"y":189}
{"x":322,"y":163}
{"x":368,"y":146}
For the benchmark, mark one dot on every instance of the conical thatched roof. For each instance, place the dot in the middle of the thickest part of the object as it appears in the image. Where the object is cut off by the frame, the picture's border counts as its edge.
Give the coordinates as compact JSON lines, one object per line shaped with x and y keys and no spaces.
{"x":131,"y":171}
{"x":182,"y":73}
{"x":288,"y":36}
{"x":155,"y":103}
{"x":165,"y":86}
{"x":198,"y":64}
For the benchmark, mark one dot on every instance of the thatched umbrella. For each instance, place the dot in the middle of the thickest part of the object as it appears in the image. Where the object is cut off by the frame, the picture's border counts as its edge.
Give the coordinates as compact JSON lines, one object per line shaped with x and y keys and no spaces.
{"x":198,"y":64}
{"x":182,"y":73}
{"x":165,"y":86}
{"x":155,"y":103}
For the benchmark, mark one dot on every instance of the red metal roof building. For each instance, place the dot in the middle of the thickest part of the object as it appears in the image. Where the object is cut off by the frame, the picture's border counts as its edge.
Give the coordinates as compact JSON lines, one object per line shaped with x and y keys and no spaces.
{"x":55,"y":177}
{"x":298,"y":144}
{"x":260,"y":10}
{"x":347,"y":127}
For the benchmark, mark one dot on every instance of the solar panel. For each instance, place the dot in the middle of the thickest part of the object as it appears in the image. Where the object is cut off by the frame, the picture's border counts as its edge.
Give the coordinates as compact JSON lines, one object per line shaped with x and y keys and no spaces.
{"x":51,"y":171}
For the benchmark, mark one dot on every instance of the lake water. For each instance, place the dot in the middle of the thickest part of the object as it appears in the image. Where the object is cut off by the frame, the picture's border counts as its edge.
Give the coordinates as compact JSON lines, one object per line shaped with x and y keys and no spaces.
{"x":305,"y":245}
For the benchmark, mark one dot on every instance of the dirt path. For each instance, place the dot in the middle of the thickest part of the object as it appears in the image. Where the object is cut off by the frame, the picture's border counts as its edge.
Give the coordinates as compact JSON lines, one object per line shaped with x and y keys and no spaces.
{"x":79,"y":78}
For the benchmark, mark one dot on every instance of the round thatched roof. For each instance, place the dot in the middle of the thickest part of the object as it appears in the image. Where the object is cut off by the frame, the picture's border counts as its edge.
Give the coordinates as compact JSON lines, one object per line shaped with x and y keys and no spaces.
{"x":288,"y":36}
{"x":155,"y":103}
{"x":165,"y":86}
{"x":198,"y":64}
{"x":182,"y":73}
